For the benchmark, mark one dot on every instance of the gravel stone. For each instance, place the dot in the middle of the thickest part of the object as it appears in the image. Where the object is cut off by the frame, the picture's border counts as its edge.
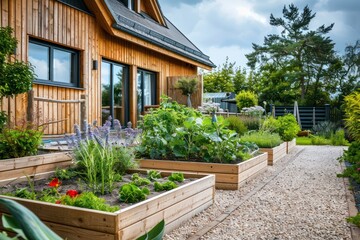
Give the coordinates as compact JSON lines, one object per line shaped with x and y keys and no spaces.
{"x":303,"y":200}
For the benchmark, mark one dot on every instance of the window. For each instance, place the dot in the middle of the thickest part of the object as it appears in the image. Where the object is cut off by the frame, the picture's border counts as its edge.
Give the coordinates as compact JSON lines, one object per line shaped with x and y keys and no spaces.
{"x":54,"y":65}
{"x":130,"y":4}
{"x":114,"y":91}
{"x":146,"y":89}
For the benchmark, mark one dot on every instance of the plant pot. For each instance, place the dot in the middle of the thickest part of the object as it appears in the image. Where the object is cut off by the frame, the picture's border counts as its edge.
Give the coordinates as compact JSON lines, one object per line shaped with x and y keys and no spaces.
{"x":16,"y":169}
{"x":175,"y":207}
{"x":290,"y":145}
{"x":228,"y":176}
{"x":276,"y":153}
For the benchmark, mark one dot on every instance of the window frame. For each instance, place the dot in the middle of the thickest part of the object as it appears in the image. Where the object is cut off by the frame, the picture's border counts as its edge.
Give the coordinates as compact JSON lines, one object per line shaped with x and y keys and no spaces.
{"x":153,"y":87}
{"x":75,"y":64}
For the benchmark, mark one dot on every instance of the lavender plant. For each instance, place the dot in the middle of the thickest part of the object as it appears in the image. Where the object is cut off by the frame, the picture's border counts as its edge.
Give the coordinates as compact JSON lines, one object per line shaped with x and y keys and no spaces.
{"x":101,"y":155}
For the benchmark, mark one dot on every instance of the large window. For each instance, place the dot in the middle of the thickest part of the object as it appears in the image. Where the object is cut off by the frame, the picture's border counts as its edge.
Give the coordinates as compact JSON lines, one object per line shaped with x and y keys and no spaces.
{"x":114,"y":91}
{"x":53,"y":64}
{"x":146,"y":89}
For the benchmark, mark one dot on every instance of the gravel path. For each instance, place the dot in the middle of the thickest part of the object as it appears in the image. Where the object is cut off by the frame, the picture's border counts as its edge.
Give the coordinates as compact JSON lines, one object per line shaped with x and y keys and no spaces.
{"x":298,"y":198}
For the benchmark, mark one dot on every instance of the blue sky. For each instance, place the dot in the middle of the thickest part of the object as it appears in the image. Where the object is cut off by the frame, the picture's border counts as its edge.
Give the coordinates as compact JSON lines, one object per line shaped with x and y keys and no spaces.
{"x":221,"y":28}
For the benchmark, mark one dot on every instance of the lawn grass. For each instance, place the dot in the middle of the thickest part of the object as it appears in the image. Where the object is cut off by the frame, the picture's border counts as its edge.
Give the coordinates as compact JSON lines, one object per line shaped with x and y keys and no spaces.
{"x":303,"y":141}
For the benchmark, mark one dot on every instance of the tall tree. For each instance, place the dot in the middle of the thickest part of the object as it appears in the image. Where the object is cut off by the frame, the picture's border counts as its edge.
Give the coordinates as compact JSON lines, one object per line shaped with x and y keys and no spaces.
{"x":303,"y":57}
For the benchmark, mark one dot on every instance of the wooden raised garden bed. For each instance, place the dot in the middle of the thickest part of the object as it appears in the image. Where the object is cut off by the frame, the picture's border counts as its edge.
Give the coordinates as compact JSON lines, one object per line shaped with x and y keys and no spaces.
{"x":290,"y":145}
{"x":276,"y":153}
{"x":175,"y":207}
{"x":16,"y":169}
{"x":228,"y":176}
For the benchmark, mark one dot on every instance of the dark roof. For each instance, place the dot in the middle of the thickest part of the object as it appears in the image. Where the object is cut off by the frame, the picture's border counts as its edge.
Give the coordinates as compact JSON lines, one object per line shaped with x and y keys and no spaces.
{"x":80,"y":5}
{"x":144,"y":27}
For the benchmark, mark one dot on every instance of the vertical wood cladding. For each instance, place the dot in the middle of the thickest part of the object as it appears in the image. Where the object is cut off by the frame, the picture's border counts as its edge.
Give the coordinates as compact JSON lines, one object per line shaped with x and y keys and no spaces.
{"x":55,"y":22}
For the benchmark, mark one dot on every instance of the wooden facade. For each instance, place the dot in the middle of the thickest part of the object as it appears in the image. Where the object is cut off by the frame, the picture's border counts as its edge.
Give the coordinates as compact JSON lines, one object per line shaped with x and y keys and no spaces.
{"x":93,"y":36}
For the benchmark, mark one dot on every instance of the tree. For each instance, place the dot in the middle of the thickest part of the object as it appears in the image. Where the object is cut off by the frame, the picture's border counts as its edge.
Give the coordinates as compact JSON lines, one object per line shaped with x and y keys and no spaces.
{"x":304,"y":58}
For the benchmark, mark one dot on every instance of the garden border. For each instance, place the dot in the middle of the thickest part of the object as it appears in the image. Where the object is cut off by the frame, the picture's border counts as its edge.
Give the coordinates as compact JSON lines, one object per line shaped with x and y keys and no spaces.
{"x":275,"y":153}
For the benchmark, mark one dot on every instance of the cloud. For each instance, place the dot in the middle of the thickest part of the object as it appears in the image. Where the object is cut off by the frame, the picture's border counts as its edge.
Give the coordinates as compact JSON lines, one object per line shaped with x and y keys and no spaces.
{"x":41,"y":68}
{"x":223,"y":28}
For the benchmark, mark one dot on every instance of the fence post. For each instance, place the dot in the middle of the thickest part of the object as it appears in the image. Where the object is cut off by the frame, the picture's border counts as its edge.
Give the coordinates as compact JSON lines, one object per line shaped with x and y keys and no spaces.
{"x":327,"y":112}
{"x":314,"y":112}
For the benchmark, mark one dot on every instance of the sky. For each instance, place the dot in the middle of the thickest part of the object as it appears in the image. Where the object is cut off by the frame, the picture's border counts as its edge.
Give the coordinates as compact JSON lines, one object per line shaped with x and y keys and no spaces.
{"x":227,"y":28}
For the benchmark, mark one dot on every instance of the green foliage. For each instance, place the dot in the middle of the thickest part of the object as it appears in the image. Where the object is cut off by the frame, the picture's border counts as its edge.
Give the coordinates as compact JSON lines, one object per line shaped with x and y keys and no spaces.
{"x":352,"y":114}
{"x":187,"y":85}
{"x":246,"y":99}
{"x":65,"y":173}
{"x":324,"y":129}
{"x":352,"y":155}
{"x":262,"y":139}
{"x":124,"y":159}
{"x":297,"y":69}
{"x":24,"y":222}
{"x":338,"y":138}
{"x":100,"y":165}
{"x":15,"y":76}
{"x":156,"y":233}
{"x":303,"y":141}
{"x":251,"y":122}
{"x":176,"y":132}
{"x":288,"y":127}
{"x":139,"y":181}
{"x":25,"y":193}
{"x":131,"y":193}
{"x":3,"y":120}
{"x":354,"y":220}
{"x":88,"y":200}
{"x":176,"y":177}
{"x":19,"y":142}
{"x":235,"y":123}
{"x":270,"y":124}
{"x":166,"y":186}
{"x":153,"y":175}
{"x":319,"y":140}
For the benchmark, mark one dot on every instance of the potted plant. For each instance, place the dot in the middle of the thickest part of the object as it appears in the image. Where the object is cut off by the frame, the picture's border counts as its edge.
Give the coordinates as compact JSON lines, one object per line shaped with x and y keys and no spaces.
{"x":188,"y":86}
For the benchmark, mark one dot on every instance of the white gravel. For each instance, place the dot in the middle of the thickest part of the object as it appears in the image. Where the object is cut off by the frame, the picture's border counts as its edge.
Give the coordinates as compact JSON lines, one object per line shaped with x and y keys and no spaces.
{"x":303,"y":200}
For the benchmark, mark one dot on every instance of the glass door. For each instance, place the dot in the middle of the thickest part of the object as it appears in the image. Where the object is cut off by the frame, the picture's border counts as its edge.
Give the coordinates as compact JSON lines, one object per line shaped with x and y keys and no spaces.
{"x":146,"y":90}
{"x":114,"y":92}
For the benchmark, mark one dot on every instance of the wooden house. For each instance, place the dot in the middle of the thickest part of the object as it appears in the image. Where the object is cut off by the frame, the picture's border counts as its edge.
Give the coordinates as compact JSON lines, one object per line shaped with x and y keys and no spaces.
{"x":95,"y":58}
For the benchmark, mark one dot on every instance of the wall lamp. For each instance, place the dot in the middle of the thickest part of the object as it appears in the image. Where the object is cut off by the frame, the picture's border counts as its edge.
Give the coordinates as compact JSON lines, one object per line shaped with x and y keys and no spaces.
{"x":95,"y":65}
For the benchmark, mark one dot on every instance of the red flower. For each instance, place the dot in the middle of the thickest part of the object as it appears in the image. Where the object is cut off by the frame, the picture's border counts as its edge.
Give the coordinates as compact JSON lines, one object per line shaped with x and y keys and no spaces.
{"x":72,"y":193}
{"x":55,"y":183}
{"x":58,"y":202}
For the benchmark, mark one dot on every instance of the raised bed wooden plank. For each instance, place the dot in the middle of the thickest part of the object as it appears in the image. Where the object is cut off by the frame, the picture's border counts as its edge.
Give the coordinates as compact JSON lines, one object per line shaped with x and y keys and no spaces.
{"x":228,"y":176}
{"x":276,"y":153}
{"x":128,"y":223}
{"x":290,"y":145}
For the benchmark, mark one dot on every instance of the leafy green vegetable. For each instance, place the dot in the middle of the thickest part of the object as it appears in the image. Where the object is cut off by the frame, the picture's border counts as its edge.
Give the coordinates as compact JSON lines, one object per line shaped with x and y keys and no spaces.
{"x":166,"y":186}
{"x":153,"y":175}
{"x":176,"y":177}
{"x":131,"y":193}
{"x":139,"y":181}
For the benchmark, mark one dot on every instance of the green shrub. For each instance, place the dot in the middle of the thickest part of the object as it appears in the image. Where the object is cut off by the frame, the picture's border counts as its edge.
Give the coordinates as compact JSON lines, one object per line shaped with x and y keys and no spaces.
{"x":246,"y":99}
{"x":235,"y":123}
{"x":3,"y":120}
{"x":252,"y":123}
{"x":287,"y":127}
{"x":270,"y":124}
{"x":338,"y":138}
{"x":354,"y":220}
{"x":20,"y":142}
{"x":324,"y":129}
{"x":262,"y":139}
{"x":352,"y":155}
{"x":352,"y":114}
{"x":319,"y":140}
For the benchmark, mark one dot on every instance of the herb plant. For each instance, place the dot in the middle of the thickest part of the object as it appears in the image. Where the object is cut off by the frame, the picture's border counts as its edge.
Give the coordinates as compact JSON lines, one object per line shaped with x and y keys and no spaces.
{"x":262,"y":139}
{"x":288,"y":127}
